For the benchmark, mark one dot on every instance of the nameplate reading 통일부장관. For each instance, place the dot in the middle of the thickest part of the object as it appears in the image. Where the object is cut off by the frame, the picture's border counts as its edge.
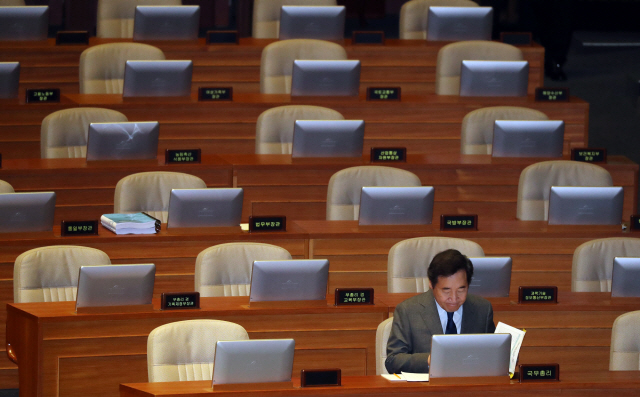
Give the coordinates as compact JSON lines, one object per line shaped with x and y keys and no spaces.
{"x":79,"y":228}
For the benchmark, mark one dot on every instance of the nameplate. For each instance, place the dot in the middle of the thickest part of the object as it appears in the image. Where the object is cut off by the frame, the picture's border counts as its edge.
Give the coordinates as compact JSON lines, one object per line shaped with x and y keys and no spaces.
{"x":538,"y":294}
{"x":320,"y":377}
{"x":180,"y":300}
{"x":354,"y":296}
{"x":539,"y":372}
{"x":516,"y":38}
{"x":364,"y":37}
{"x":634,"y":225}
{"x":589,"y":155}
{"x":47,"y":95}
{"x":458,"y":222}
{"x":72,"y":37}
{"x":383,"y":93}
{"x":215,"y":93}
{"x":182,"y":156}
{"x":79,"y":228}
{"x":388,"y":155}
{"x":276,"y":223}
{"x":223,"y":37}
{"x":552,"y":94}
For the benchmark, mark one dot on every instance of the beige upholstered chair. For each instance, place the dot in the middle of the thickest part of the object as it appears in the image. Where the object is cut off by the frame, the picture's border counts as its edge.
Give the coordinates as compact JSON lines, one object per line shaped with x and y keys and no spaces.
{"x":536,"y":181}
{"x":625,"y":343}
{"x":274,"y":129}
{"x":382,"y":336}
{"x":266,"y":15}
{"x":50,"y":274}
{"x":413,"y":16}
{"x":5,"y":187}
{"x":115,"y":17}
{"x":593,"y":262}
{"x":276,"y":64}
{"x":409,"y":260}
{"x":345,"y":186}
{"x":184,"y":350}
{"x":102,"y":66}
{"x":225,"y":269}
{"x":150,"y":191}
{"x":5,"y":3}
{"x":450,"y":59}
{"x":477,"y":126}
{"x":63,"y":134}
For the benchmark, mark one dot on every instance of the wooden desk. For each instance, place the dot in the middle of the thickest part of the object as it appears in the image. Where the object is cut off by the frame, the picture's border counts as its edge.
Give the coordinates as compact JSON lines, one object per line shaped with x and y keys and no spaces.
{"x":571,"y":384}
{"x":425,"y":124}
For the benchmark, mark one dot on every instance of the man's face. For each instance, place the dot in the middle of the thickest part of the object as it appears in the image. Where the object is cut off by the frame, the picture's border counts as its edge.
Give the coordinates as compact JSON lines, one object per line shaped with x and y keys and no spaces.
{"x":451,"y":292}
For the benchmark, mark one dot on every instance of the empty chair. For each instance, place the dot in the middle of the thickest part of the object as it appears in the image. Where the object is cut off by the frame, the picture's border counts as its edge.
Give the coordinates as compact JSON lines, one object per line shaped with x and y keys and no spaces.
{"x":276,"y":65}
{"x":477,"y":126}
{"x":150,"y":192}
{"x":536,"y":180}
{"x":345,"y":187}
{"x":625,"y":343}
{"x":382,"y":336}
{"x":409,"y":260}
{"x":5,"y":187}
{"x":102,"y":66}
{"x":115,"y":17}
{"x":450,"y":59}
{"x":184,"y":350}
{"x":274,"y":129}
{"x":266,"y":15}
{"x":413,"y":16}
{"x":64,"y":133}
{"x":50,"y":274}
{"x":593,"y":262}
{"x":225,"y":269}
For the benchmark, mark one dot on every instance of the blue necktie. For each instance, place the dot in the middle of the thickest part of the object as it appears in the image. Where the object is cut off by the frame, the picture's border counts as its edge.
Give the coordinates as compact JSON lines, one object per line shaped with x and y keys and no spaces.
{"x":451,"y":326}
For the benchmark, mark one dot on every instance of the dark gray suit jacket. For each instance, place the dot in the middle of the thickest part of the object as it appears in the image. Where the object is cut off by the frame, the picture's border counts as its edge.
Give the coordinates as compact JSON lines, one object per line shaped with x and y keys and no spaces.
{"x":416,"y":319}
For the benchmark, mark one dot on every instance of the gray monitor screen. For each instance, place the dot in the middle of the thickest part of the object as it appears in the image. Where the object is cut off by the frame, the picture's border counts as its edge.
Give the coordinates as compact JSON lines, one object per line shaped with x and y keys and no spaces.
{"x":312,"y":22}
{"x":464,"y":355}
{"x":325,"y":78}
{"x":625,"y":280}
{"x":459,"y":23}
{"x":9,"y":79}
{"x":157,"y":78}
{"x":205,"y":207}
{"x":166,"y":23}
{"x":528,"y":138}
{"x":570,"y":205}
{"x":494,"y":78}
{"x":123,"y":141}
{"x":289,"y":280}
{"x":27,"y":212}
{"x":491,"y":276}
{"x":115,"y":285}
{"x":396,"y":205}
{"x":24,"y":23}
{"x":328,"y":138}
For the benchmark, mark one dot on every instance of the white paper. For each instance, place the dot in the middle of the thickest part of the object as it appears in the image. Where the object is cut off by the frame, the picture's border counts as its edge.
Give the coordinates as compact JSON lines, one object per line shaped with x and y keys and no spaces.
{"x":394,"y":377}
{"x":413,"y":377}
{"x":516,"y":342}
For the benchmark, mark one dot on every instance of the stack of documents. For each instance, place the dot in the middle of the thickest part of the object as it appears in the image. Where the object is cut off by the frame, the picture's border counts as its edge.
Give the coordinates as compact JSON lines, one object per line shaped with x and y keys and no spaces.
{"x":407,"y":376}
{"x":138,"y":223}
{"x":516,"y":343}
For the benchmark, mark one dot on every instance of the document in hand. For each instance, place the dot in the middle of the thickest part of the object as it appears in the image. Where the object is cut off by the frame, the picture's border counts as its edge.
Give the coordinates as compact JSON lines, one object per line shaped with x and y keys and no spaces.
{"x":407,"y":376}
{"x":516,"y":342}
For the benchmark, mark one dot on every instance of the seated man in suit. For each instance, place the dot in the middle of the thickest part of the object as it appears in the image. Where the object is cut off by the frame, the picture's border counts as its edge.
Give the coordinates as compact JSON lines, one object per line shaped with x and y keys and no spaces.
{"x":445,"y":308}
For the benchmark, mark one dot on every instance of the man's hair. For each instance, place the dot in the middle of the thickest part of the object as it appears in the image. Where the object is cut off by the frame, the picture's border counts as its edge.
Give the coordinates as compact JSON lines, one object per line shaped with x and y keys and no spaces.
{"x":447,"y":263}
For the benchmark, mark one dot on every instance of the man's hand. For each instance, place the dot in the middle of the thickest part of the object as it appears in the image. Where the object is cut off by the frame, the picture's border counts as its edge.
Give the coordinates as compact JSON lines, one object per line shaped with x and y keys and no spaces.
{"x":429,"y":360}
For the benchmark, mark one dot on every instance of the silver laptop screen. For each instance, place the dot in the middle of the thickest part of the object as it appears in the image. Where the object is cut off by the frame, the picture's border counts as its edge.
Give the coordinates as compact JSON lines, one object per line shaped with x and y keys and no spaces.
{"x":27,"y":212}
{"x":328,"y":138}
{"x":312,"y":22}
{"x":123,"y":141}
{"x":289,"y":280}
{"x":625,"y":280}
{"x":115,"y":285}
{"x":528,"y":138}
{"x":166,"y":23}
{"x":9,"y":79}
{"x":491,"y":276}
{"x":325,"y":78}
{"x":24,"y":23}
{"x":205,"y":207}
{"x":157,"y":78}
{"x":396,"y":205}
{"x":465,"y":355}
{"x":570,"y":205}
{"x":459,"y":23}
{"x":494,"y":78}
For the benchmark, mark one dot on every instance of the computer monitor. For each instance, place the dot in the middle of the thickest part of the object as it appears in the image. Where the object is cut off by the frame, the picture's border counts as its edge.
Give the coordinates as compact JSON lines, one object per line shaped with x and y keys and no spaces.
{"x":491,"y":276}
{"x":494,"y":78}
{"x":123,"y":141}
{"x":24,"y":23}
{"x":328,"y":138}
{"x":157,"y":78}
{"x":528,"y":138}
{"x":571,"y":205}
{"x":9,"y":79}
{"x":312,"y":22}
{"x":466,"y":355}
{"x":625,"y":279}
{"x":205,"y":207}
{"x":115,"y":285}
{"x":166,"y":23}
{"x":411,"y":205}
{"x":289,"y":280}
{"x":459,"y":23}
{"x":27,"y":212}
{"x":325,"y":78}
{"x":253,"y":361}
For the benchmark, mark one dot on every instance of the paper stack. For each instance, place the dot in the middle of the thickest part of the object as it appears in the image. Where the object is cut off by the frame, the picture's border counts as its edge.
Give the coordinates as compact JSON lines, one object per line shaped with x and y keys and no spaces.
{"x":138,"y":223}
{"x":516,"y":342}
